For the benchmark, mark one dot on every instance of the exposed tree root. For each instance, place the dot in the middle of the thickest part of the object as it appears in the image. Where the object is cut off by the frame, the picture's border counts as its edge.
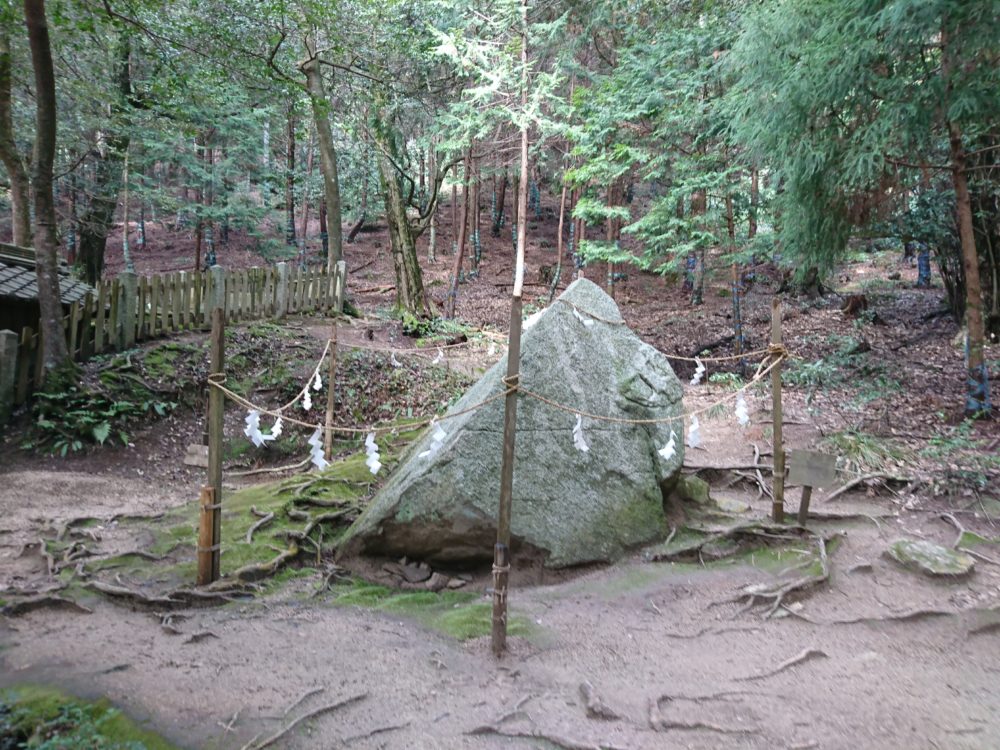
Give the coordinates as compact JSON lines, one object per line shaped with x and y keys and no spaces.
{"x":754,"y":530}
{"x":658,"y":723}
{"x":24,"y":606}
{"x":256,"y":571}
{"x":596,"y":708}
{"x":800,"y":658}
{"x":255,"y":745}
{"x":371,"y":733}
{"x":777,"y":591}
{"x":912,"y":615}
{"x":865,"y":478}
{"x":265,"y":519}
{"x":566,"y":743}
{"x":270,"y":470}
{"x":178,"y":598}
{"x":712,"y":630}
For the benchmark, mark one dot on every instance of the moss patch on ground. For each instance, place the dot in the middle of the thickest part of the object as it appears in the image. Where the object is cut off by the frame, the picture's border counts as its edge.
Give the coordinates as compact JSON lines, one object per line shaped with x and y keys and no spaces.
{"x":459,"y":614}
{"x":346,"y":485}
{"x":45,"y":719}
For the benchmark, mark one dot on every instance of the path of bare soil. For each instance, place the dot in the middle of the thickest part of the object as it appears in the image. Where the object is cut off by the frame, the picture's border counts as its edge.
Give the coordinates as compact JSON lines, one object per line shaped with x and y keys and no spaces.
{"x":877,"y":657}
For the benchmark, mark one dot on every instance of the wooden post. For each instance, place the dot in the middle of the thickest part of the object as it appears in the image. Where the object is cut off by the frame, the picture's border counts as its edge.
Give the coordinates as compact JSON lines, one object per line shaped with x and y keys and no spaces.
{"x":281,"y":291}
{"x":804,"y":505}
{"x":8,"y":373}
{"x":501,"y":551}
{"x":216,"y":404}
{"x":206,"y":533}
{"x":331,"y":375}
{"x":125,"y":323}
{"x":778,"y":507}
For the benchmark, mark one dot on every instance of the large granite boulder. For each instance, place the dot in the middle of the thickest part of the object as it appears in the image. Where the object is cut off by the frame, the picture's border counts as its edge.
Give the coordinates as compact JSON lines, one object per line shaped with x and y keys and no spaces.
{"x":569,"y":505}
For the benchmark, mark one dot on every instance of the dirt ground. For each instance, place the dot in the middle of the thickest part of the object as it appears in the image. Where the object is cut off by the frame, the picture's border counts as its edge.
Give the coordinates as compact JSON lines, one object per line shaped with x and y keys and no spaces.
{"x":876,"y":657}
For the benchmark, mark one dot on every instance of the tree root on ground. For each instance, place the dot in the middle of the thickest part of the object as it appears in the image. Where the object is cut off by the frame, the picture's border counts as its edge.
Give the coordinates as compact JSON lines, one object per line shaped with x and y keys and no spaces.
{"x":911,"y":615}
{"x":255,"y":745}
{"x":865,"y":478}
{"x":177,"y":598}
{"x":256,"y":571}
{"x":758,"y":530}
{"x":566,"y":743}
{"x":265,"y":519}
{"x":595,"y":707}
{"x":800,"y":658}
{"x":778,"y":590}
{"x":24,"y":606}
{"x":658,"y":723}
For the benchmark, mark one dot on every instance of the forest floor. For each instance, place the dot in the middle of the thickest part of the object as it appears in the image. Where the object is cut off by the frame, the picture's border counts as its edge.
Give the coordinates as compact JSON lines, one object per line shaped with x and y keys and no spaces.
{"x":639,"y":654}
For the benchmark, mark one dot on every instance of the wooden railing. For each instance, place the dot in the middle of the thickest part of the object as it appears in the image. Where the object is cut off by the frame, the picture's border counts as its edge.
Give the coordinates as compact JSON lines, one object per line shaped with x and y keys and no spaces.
{"x":130,"y":309}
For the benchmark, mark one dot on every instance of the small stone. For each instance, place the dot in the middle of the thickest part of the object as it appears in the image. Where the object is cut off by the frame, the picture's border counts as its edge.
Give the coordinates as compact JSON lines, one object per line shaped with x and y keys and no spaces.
{"x":456,"y":583}
{"x":930,"y":558}
{"x":693,"y":489}
{"x":437,"y":582}
{"x":730,"y":505}
{"x":416,"y":573}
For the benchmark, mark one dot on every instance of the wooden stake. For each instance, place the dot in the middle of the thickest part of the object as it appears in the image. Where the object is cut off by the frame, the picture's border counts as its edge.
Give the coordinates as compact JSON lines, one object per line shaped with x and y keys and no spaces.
{"x":778,"y":507}
{"x":206,"y":533}
{"x":501,"y":551}
{"x":216,"y":404}
{"x":331,"y":375}
{"x":804,"y":505}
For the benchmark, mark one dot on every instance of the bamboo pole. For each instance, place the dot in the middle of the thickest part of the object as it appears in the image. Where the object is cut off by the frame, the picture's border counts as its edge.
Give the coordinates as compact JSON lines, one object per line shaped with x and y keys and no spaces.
{"x":331,"y":375}
{"x":206,"y":533}
{"x":501,"y":550}
{"x":216,"y":404}
{"x":778,"y":508}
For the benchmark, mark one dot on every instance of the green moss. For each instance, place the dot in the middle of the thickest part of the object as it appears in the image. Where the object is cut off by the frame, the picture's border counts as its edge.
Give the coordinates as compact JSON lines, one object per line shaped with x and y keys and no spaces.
{"x":458,"y":614}
{"x":43,"y":717}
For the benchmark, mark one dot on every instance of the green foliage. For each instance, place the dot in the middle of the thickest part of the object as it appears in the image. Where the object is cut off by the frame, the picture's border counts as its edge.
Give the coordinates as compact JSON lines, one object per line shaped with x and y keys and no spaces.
{"x":861,"y":452}
{"x":68,"y":420}
{"x":967,"y":458}
{"x":36,"y":718}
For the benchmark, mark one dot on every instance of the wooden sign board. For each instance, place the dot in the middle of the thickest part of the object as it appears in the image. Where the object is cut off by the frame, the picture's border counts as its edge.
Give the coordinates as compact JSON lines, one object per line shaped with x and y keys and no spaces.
{"x":197,"y":455}
{"x":812,"y":469}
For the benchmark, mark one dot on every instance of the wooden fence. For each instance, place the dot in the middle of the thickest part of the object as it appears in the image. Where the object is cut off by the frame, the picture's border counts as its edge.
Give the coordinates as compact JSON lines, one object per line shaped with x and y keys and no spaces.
{"x":130,"y":309}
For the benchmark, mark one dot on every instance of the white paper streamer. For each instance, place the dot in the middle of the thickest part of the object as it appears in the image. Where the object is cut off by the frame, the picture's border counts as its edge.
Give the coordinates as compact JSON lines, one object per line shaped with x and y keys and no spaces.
{"x":371,"y":448}
{"x":437,"y":440}
{"x":393,"y":361}
{"x":742,"y":412}
{"x":307,"y":402}
{"x":317,"y":382}
{"x":586,"y":321}
{"x":669,"y":450}
{"x":578,"y":442}
{"x":278,"y":427}
{"x":694,"y":433}
{"x":316,"y":450}
{"x":699,"y":370}
{"x":492,"y":350}
{"x":439,"y":358}
{"x":252,"y":430}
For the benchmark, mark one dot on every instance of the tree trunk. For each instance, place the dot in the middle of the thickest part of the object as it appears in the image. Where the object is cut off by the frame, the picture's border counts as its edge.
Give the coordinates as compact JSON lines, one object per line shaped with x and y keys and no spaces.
{"x":327,"y":158}
{"x":402,"y":239}
{"x":305,"y":194}
{"x":977,"y":399}
{"x":501,"y":198}
{"x":559,"y":245}
{"x":55,"y":354}
{"x":463,"y":232}
{"x":290,"y":179}
{"x":95,"y":221}
{"x":17,"y":173}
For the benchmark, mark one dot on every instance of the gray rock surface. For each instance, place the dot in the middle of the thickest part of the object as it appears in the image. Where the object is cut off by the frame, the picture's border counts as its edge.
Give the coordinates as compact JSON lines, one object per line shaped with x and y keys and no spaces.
{"x":930,"y":558}
{"x":572,"y":506}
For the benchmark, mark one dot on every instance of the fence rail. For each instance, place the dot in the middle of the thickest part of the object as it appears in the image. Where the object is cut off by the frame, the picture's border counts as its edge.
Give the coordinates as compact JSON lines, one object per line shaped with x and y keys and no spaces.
{"x":130,"y":309}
